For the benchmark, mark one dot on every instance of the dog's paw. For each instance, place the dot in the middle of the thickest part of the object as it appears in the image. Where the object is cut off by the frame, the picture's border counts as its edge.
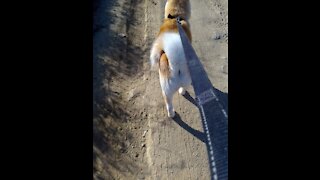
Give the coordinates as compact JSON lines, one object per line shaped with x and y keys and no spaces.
{"x":171,"y":114}
{"x":182,"y":91}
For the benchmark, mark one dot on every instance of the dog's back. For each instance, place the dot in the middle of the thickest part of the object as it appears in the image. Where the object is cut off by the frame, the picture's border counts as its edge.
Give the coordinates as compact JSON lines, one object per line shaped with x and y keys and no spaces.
{"x":168,"y":26}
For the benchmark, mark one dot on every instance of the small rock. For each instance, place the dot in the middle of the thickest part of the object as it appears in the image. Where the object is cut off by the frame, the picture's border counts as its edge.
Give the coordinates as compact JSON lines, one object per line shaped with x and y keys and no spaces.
{"x":216,"y":36}
{"x":143,"y":145}
{"x":122,"y":35}
{"x":144,"y":133}
{"x":225,"y":69}
{"x":145,"y":77}
{"x":116,"y":93}
{"x":132,"y":94}
{"x":137,"y":155}
{"x":110,"y":102}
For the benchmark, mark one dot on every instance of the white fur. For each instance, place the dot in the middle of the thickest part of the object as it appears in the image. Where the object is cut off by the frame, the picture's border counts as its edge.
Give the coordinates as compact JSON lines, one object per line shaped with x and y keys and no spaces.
{"x":165,"y":9}
{"x":155,"y":54}
{"x":179,"y":72}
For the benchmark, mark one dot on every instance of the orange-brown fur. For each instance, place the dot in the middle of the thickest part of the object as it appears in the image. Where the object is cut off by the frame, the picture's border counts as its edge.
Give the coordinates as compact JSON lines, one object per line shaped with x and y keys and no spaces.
{"x":164,"y":66}
{"x":170,"y":25}
{"x":178,"y":8}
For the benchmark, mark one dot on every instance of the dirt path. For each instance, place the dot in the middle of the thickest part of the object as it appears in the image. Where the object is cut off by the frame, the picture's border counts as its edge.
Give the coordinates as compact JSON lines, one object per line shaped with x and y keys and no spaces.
{"x":133,"y":138}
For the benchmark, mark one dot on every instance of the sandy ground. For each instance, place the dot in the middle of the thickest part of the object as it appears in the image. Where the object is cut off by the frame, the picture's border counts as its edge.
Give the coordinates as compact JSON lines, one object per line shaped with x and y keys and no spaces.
{"x":133,"y":138}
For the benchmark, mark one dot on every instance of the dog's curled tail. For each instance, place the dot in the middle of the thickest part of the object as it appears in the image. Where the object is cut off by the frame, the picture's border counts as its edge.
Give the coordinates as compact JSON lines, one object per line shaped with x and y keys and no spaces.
{"x":155,"y":54}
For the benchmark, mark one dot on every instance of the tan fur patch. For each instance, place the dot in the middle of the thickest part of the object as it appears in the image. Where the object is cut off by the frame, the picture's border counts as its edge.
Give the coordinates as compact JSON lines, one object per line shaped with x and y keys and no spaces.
{"x":170,"y":25}
{"x":178,"y":8}
{"x":164,"y":66}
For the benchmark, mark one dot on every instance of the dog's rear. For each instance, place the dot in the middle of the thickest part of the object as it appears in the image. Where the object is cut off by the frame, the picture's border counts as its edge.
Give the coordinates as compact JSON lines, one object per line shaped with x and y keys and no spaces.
{"x":167,"y":54}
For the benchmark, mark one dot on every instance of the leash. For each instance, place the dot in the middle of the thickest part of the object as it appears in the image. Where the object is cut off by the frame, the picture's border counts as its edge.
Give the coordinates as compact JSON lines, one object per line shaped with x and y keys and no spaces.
{"x":213,"y":111}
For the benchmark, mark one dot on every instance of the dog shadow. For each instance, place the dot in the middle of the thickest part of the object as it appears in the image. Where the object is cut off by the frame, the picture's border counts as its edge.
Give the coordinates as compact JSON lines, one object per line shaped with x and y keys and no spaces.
{"x":198,"y":134}
{"x":190,"y":99}
{"x":223,"y":98}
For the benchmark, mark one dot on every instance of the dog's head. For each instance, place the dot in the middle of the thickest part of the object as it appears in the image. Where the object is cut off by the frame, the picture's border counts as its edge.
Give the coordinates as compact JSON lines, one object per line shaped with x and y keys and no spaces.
{"x":175,"y":8}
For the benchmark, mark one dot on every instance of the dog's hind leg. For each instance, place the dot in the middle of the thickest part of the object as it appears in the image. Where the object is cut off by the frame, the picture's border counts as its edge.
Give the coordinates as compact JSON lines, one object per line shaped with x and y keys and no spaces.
{"x":167,"y":91}
{"x":186,"y":82}
{"x":182,"y":90}
{"x":169,"y":106}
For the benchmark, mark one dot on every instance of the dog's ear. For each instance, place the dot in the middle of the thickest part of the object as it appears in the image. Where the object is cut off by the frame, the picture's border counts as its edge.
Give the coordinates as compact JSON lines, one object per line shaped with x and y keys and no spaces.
{"x":170,"y":17}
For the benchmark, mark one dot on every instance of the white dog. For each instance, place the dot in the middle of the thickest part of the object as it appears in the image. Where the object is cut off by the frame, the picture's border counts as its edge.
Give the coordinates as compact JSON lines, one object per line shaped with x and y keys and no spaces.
{"x":167,"y":54}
